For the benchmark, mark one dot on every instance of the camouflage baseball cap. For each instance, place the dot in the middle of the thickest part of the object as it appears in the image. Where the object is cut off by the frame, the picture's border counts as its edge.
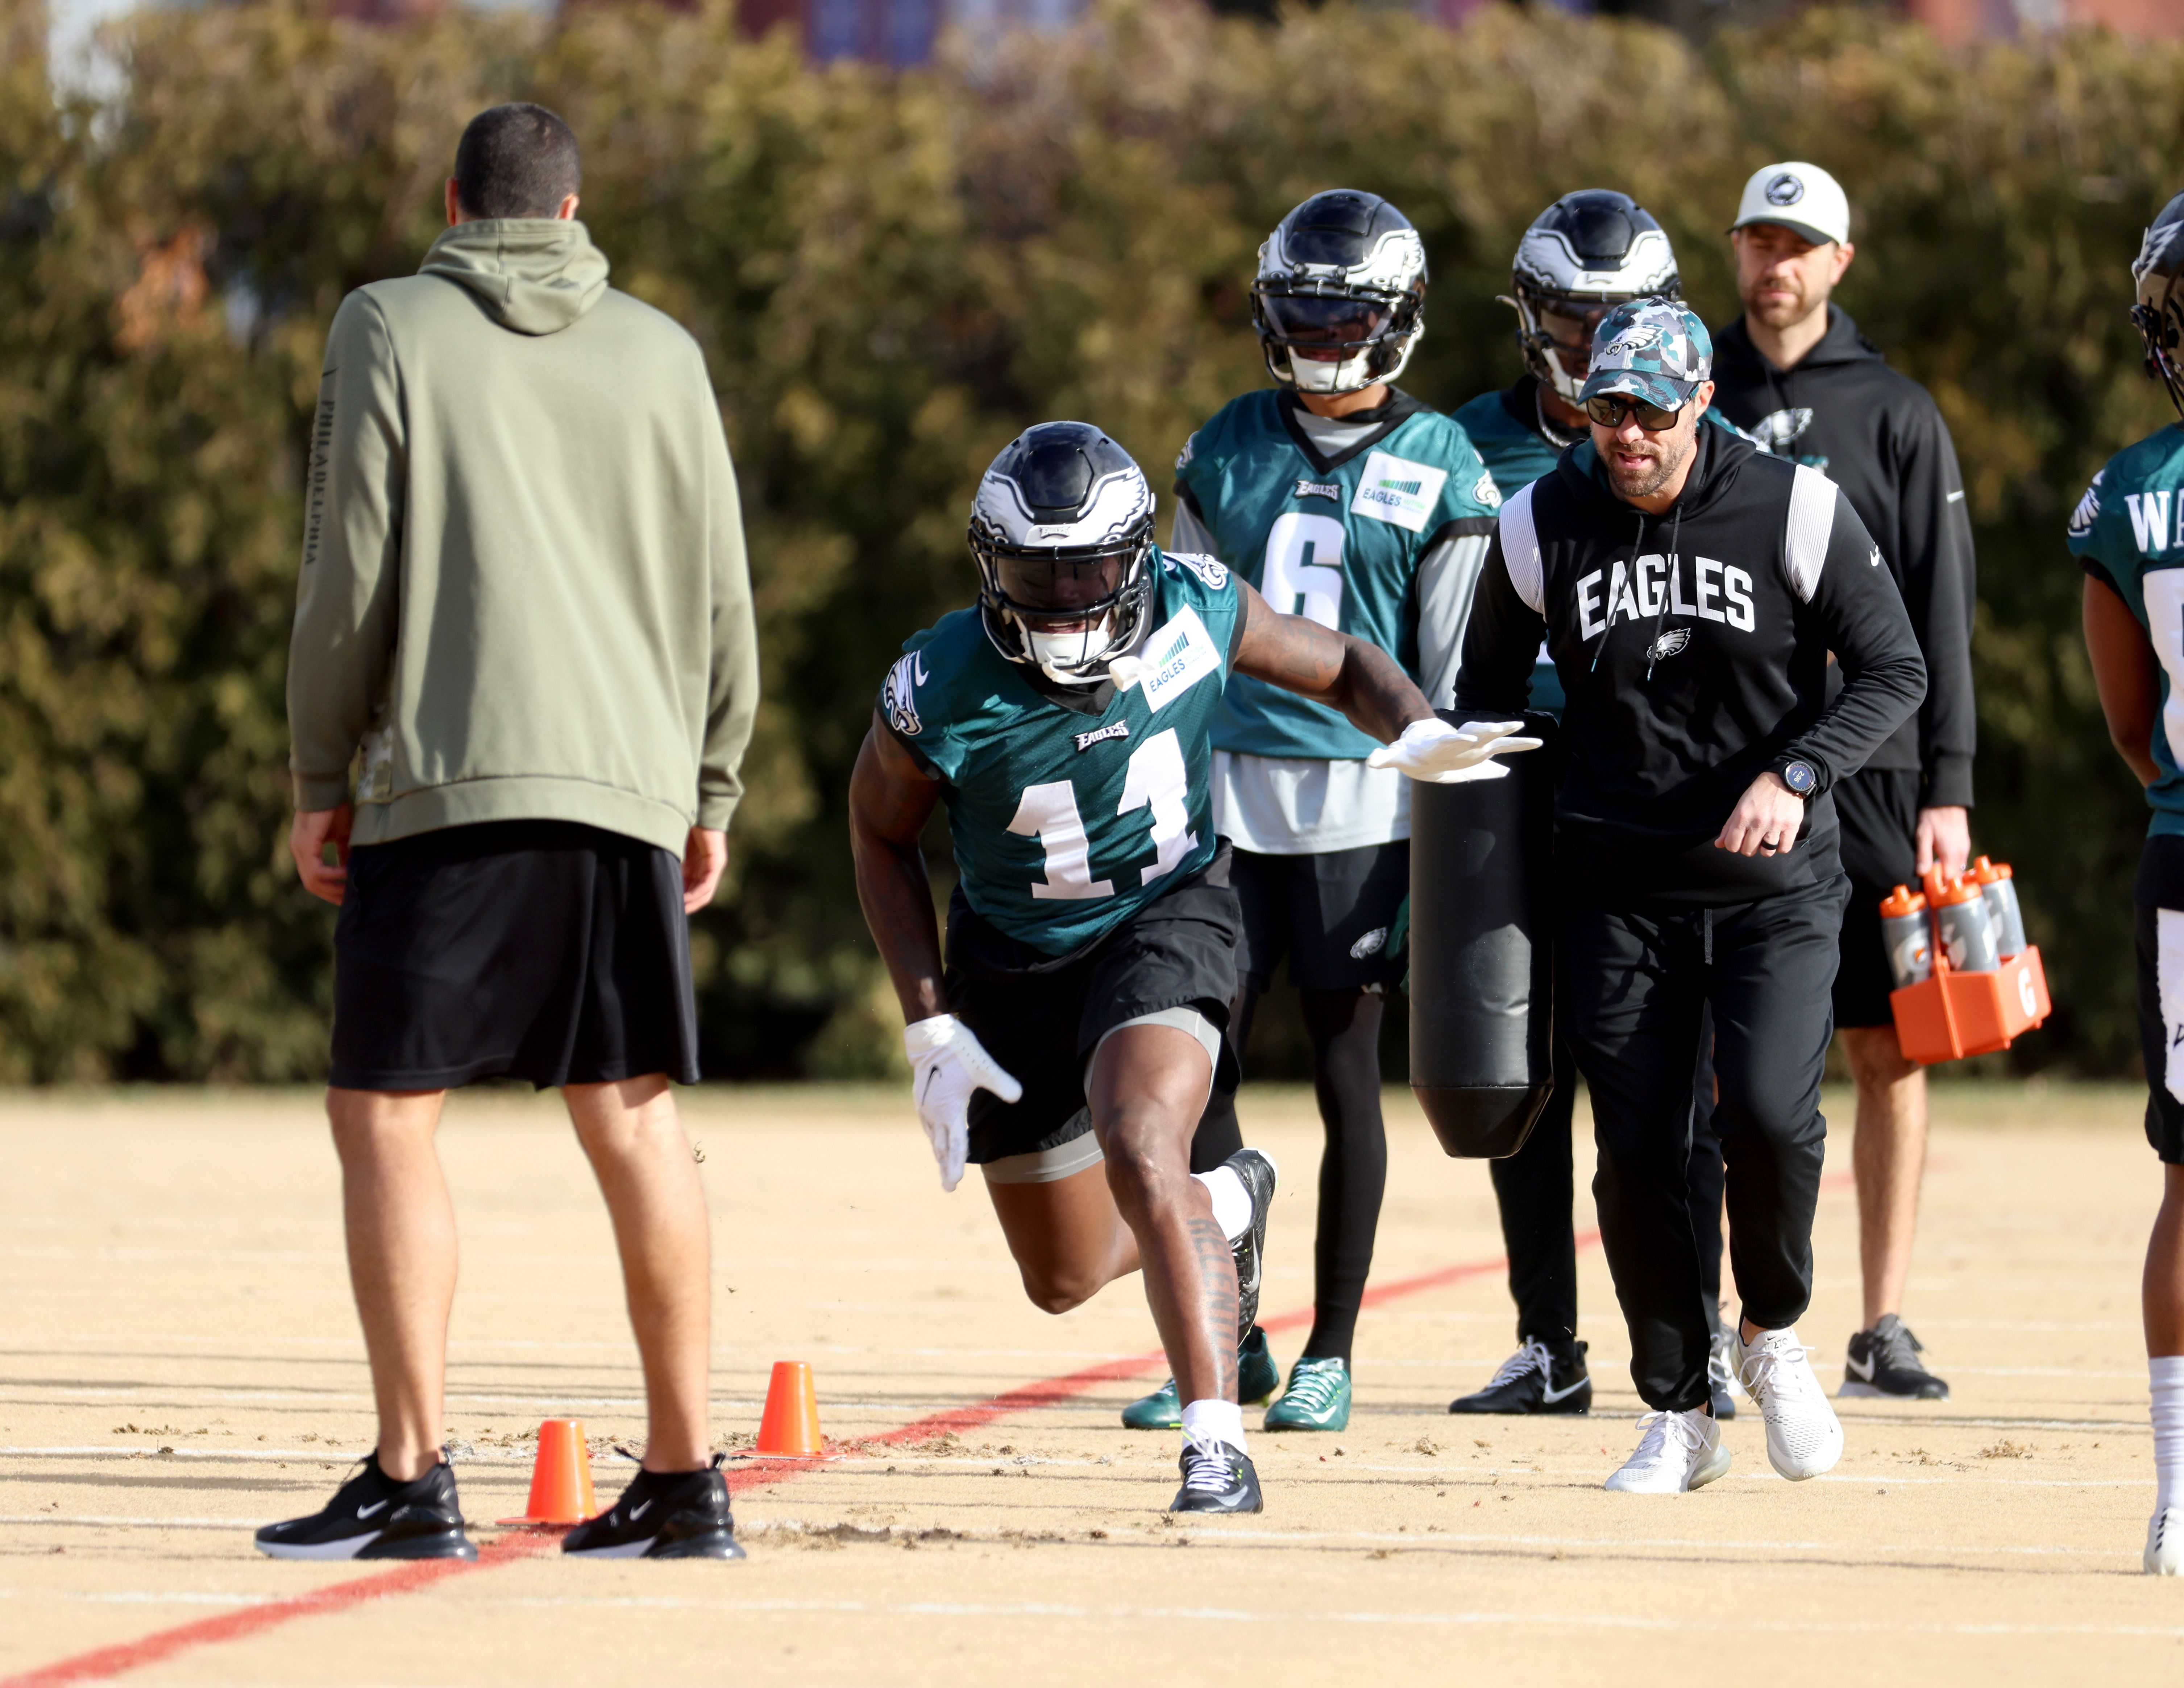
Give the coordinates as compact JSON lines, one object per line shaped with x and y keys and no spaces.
{"x":1655,"y":350}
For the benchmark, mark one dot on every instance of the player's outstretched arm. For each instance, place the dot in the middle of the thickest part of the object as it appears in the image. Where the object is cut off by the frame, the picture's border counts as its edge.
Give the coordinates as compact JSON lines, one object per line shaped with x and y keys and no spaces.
{"x":891,"y":798}
{"x":1366,"y":685}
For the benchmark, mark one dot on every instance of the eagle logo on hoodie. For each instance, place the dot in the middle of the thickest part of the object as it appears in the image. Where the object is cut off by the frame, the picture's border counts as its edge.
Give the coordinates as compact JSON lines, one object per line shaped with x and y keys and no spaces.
{"x":1667,"y":644}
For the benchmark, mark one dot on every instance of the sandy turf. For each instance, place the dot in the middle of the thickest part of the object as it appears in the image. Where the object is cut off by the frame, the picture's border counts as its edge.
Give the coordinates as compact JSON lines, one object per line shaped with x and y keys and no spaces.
{"x":182,"y":1363}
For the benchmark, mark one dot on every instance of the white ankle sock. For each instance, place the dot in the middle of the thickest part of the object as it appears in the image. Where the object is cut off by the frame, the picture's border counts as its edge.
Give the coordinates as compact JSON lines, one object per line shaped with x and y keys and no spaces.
{"x":1232,"y":1202}
{"x":2166,"y":1377}
{"x":1215,"y":1421}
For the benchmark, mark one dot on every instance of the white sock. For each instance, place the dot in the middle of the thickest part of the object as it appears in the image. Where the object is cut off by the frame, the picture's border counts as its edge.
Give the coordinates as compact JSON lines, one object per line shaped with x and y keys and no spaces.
{"x":1232,"y":1202}
{"x":1215,"y":1421}
{"x":2166,"y":1376}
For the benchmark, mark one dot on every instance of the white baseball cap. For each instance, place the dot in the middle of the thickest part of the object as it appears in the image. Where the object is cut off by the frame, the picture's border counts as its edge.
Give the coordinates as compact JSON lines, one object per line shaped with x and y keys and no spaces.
{"x":1800,"y":197}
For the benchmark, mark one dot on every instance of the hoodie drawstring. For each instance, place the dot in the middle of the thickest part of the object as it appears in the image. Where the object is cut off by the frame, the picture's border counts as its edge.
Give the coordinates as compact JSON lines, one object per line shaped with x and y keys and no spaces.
{"x":1668,"y":588}
{"x":1637,"y":544}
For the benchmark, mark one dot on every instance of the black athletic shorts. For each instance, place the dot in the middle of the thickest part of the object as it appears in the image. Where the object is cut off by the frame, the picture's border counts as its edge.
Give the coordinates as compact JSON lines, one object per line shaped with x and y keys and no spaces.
{"x":1041,"y":1017}
{"x":537,"y":950}
{"x":1329,"y":913}
{"x":1879,"y":808}
{"x":2158,"y":927}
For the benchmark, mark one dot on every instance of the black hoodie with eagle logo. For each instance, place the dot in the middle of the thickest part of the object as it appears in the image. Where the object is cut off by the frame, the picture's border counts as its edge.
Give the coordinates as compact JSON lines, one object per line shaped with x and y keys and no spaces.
{"x":1693,"y":649}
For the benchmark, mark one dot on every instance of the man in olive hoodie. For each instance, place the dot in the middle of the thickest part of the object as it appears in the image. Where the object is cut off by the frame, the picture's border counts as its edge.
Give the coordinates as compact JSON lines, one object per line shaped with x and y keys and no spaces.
{"x":519,"y":686}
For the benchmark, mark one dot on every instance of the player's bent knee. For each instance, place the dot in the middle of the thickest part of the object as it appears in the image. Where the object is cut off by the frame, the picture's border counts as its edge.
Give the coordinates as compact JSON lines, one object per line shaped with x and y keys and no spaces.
{"x":1059,"y":1291}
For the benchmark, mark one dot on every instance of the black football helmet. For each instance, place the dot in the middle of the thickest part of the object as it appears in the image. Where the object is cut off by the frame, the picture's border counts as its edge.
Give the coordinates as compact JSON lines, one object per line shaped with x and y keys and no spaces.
{"x":2158,"y":311}
{"x":1062,"y":533}
{"x":1583,"y":255}
{"x":1340,"y":298}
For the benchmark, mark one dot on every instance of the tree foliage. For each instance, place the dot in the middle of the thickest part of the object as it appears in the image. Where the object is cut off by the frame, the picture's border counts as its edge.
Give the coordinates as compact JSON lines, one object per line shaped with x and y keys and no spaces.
{"x":891,"y":275}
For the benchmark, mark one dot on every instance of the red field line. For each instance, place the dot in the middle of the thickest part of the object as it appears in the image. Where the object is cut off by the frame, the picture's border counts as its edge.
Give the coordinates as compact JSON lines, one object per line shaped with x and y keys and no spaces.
{"x":103,"y":1663}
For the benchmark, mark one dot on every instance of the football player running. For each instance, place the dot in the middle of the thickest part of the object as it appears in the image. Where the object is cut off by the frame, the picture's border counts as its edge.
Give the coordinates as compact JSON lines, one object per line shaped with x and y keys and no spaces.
{"x":1342,"y":499}
{"x":1583,"y":255}
{"x":1067,"y":1044}
{"x":2128,"y":533}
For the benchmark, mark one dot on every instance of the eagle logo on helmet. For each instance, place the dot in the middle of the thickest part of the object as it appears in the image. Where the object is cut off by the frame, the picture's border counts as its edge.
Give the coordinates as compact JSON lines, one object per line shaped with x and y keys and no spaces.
{"x":2158,"y":310}
{"x":1339,"y":300}
{"x":1585,"y":254}
{"x":1061,"y":530}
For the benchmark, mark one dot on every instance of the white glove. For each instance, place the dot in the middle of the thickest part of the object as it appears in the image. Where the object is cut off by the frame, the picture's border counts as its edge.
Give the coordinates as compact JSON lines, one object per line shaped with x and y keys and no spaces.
{"x":1441,"y":754}
{"x":948,"y":1063}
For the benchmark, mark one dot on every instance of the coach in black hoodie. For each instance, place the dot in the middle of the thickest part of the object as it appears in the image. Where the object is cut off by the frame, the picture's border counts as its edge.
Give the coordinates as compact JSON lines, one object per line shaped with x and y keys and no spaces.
{"x":1794,"y":372}
{"x":1690,"y":590}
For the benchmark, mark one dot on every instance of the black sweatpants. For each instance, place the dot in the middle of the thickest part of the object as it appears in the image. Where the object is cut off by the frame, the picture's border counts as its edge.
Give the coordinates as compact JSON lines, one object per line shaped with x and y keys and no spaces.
{"x":1534,"y":1189}
{"x":1634,"y":984}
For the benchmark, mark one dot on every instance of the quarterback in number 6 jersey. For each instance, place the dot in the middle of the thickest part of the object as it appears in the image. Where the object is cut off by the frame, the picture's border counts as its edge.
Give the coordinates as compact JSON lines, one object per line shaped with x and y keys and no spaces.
{"x":1344,"y":500}
{"x":1068,"y":1044}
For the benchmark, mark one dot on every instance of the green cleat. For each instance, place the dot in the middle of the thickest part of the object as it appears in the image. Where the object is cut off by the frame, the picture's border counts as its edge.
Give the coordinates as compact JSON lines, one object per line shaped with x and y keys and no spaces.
{"x":1162,"y":1410}
{"x":1317,"y":1399}
{"x":1257,"y":1377}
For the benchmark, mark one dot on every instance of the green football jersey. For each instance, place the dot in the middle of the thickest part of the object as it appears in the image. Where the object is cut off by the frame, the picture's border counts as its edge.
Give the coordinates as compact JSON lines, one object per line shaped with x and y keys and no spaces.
{"x":2129,"y":529}
{"x":1338,"y":540}
{"x":1072,"y":808}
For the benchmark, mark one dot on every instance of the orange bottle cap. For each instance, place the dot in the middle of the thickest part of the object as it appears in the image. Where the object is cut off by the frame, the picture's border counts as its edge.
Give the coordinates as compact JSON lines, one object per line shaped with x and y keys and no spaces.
{"x":1901,"y":901}
{"x":1955,"y":891}
{"x":1986,"y":872}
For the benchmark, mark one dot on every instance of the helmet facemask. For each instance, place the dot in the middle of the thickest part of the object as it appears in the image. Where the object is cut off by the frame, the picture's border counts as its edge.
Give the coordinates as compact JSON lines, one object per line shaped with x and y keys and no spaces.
{"x":1066,"y":610}
{"x":1583,"y":255}
{"x":2158,"y":313}
{"x":1325,"y":336}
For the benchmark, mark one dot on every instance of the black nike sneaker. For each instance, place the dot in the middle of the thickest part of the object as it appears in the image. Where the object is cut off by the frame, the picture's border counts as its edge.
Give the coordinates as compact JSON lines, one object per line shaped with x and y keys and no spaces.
{"x":1217,"y":1478}
{"x":372,"y":1516}
{"x":1721,"y":1374}
{"x":1884,"y":1361}
{"x":1535,"y":1378}
{"x":1258,"y":1172}
{"x":663,"y":1515}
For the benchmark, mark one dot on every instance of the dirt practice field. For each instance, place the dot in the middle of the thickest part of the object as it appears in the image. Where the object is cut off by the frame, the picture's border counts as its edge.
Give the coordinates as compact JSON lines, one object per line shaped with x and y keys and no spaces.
{"x":182,"y":1363}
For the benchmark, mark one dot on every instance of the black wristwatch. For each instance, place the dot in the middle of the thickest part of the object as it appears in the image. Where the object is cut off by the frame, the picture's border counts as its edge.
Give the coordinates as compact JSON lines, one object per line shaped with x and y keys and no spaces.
{"x":1799,"y":775}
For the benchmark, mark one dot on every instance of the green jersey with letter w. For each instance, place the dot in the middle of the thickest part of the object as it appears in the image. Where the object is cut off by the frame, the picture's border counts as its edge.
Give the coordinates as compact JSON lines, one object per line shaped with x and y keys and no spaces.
{"x":1072,"y":807}
{"x":2128,"y":530}
{"x":1338,"y":537}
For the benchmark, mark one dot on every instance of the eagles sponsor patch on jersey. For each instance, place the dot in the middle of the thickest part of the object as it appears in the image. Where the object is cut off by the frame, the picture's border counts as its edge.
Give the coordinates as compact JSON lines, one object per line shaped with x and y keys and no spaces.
{"x":1398,"y":490}
{"x":1318,"y":489}
{"x":898,"y":697}
{"x":1213,"y":572}
{"x":1178,"y":655}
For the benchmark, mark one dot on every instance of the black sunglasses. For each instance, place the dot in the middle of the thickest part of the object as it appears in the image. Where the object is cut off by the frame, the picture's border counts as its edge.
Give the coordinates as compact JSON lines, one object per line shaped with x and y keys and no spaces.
{"x":1609,"y":409}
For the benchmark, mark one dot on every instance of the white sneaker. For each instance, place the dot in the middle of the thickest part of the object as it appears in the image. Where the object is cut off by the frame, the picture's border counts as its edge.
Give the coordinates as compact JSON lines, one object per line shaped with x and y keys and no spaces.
{"x":1677,"y":1452}
{"x":2164,"y":1543}
{"x":1803,"y":1436}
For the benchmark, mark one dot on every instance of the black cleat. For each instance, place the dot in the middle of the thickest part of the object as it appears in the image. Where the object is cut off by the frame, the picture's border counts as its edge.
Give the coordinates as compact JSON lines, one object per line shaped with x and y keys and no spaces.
{"x":1258,"y":1172}
{"x":663,"y":1515}
{"x":1884,"y":1361}
{"x":1217,"y":1478}
{"x":372,"y":1516}
{"x":1721,"y":1375}
{"x":1535,"y":1378}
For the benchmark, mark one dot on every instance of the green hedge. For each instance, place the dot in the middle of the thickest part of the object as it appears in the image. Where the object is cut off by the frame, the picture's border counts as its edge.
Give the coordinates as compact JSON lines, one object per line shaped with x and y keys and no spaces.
{"x":891,"y":276}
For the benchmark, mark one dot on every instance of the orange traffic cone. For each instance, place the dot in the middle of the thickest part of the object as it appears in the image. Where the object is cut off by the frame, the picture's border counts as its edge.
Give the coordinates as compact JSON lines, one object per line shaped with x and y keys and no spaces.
{"x":561,"y":1478}
{"x":790,"y":1428}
